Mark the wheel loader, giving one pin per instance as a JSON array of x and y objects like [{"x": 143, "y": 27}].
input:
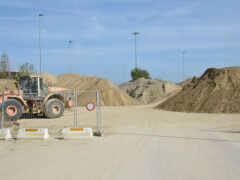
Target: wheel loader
[{"x": 33, "y": 98}]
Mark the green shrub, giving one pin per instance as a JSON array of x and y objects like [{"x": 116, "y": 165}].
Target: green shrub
[{"x": 137, "y": 73}]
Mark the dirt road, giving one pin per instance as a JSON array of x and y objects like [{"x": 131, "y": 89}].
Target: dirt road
[{"x": 139, "y": 143}]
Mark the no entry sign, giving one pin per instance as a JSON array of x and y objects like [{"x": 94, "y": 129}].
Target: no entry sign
[{"x": 90, "y": 106}]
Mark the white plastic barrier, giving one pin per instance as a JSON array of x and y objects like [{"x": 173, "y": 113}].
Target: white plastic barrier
[
  {"x": 5, "y": 133},
  {"x": 36, "y": 133},
  {"x": 75, "y": 133}
]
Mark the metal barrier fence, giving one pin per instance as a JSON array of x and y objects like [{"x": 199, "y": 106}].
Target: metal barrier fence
[
  {"x": 18, "y": 105},
  {"x": 89, "y": 102}
]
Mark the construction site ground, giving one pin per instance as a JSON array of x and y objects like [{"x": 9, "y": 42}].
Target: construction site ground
[{"x": 139, "y": 143}]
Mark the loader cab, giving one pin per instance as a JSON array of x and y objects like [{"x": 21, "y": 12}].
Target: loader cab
[{"x": 32, "y": 87}]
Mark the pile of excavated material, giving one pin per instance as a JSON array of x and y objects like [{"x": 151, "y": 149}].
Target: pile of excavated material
[
  {"x": 149, "y": 90},
  {"x": 186, "y": 81},
  {"x": 50, "y": 78},
  {"x": 110, "y": 94},
  {"x": 216, "y": 91}
]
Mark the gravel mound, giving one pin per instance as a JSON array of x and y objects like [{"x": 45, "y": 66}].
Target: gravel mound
[
  {"x": 186, "y": 81},
  {"x": 51, "y": 78},
  {"x": 216, "y": 91},
  {"x": 149, "y": 90}
]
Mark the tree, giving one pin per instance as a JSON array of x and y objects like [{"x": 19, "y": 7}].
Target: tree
[
  {"x": 4, "y": 62},
  {"x": 5, "y": 66},
  {"x": 137, "y": 73},
  {"x": 26, "y": 68}
]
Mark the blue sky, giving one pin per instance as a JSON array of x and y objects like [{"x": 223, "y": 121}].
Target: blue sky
[{"x": 209, "y": 31}]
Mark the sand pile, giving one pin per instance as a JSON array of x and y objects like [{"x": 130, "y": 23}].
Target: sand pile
[
  {"x": 110, "y": 95},
  {"x": 6, "y": 85},
  {"x": 52, "y": 79},
  {"x": 216, "y": 91},
  {"x": 186, "y": 81},
  {"x": 149, "y": 90}
]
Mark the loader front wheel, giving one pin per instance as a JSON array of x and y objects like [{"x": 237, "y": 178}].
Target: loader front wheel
[
  {"x": 53, "y": 108},
  {"x": 12, "y": 110}
]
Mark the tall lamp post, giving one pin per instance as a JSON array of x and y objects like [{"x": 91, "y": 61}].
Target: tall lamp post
[
  {"x": 183, "y": 53},
  {"x": 40, "y": 43},
  {"x": 135, "y": 35},
  {"x": 70, "y": 65}
]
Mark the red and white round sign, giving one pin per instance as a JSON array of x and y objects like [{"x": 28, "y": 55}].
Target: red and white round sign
[{"x": 90, "y": 106}]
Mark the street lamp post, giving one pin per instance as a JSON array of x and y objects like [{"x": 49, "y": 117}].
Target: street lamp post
[
  {"x": 40, "y": 43},
  {"x": 70, "y": 66},
  {"x": 135, "y": 35},
  {"x": 183, "y": 53}
]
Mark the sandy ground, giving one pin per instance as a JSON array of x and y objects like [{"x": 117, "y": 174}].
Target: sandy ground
[{"x": 139, "y": 143}]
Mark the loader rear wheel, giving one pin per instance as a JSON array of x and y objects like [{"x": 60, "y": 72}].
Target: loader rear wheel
[
  {"x": 54, "y": 108},
  {"x": 12, "y": 110}
]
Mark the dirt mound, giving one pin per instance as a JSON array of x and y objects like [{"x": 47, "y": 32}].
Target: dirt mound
[
  {"x": 52, "y": 79},
  {"x": 110, "y": 95},
  {"x": 149, "y": 90},
  {"x": 79, "y": 82},
  {"x": 216, "y": 91},
  {"x": 186, "y": 81},
  {"x": 6, "y": 85}
]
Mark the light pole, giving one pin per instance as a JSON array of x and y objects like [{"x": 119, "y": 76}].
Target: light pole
[
  {"x": 40, "y": 43},
  {"x": 70, "y": 66},
  {"x": 183, "y": 53},
  {"x": 135, "y": 35}
]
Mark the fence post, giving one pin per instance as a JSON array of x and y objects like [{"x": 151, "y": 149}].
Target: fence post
[
  {"x": 99, "y": 121},
  {"x": 2, "y": 117},
  {"x": 74, "y": 99},
  {"x": 76, "y": 118}
]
